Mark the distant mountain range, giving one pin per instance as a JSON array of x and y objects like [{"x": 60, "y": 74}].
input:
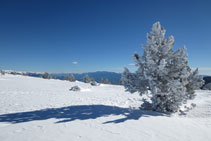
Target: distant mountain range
[{"x": 113, "y": 77}]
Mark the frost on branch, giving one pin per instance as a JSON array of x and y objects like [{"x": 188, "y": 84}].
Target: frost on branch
[{"x": 163, "y": 72}]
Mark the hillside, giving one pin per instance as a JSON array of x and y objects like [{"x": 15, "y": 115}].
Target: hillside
[{"x": 39, "y": 109}]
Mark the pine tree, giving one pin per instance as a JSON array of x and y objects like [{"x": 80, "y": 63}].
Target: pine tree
[
  {"x": 163, "y": 72},
  {"x": 93, "y": 82},
  {"x": 24, "y": 74},
  {"x": 93, "y": 79},
  {"x": 102, "y": 81},
  {"x": 107, "y": 81},
  {"x": 121, "y": 81},
  {"x": 2, "y": 72},
  {"x": 86, "y": 79},
  {"x": 13, "y": 73},
  {"x": 72, "y": 78},
  {"x": 67, "y": 78},
  {"x": 46, "y": 75},
  {"x": 194, "y": 82}
]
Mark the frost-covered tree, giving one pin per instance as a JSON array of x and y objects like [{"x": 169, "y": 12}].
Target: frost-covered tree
[
  {"x": 92, "y": 79},
  {"x": 67, "y": 78},
  {"x": 13, "y": 73},
  {"x": 163, "y": 72},
  {"x": 102, "y": 81},
  {"x": 53, "y": 77},
  {"x": 46, "y": 75},
  {"x": 2, "y": 72},
  {"x": 93, "y": 82},
  {"x": 194, "y": 82},
  {"x": 72, "y": 78},
  {"x": 207, "y": 86},
  {"x": 24, "y": 73},
  {"x": 107, "y": 81},
  {"x": 121, "y": 81},
  {"x": 86, "y": 79}
]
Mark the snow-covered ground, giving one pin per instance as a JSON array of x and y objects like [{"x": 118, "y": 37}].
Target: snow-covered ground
[{"x": 34, "y": 109}]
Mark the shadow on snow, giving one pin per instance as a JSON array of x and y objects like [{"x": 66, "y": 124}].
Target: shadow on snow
[{"x": 79, "y": 112}]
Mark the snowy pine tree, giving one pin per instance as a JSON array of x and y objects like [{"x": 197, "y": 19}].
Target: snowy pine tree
[
  {"x": 72, "y": 78},
  {"x": 107, "y": 82},
  {"x": 163, "y": 72},
  {"x": 93, "y": 82},
  {"x": 86, "y": 79},
  {"x": 102, "y": 81},
  {"x": 92, "y": 79},
  {"x": 46, "y": 75},
  {"x": 67, "y": 78},
  {"x": 121, "y": 81},
  {"x": 2, "y": 72},
  {"x": 194, "y": 82},
  {"x": 53, "y": 77},
  {"x": 129, "y": 81}
]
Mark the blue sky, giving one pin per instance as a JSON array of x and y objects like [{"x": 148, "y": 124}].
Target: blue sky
[{"x": 97, "y": 35}]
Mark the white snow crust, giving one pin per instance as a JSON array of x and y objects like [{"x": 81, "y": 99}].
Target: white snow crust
[{"x": 36, "y": 109}]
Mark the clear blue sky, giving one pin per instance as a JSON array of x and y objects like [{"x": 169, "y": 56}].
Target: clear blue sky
[{"x": 50, "y": 35}]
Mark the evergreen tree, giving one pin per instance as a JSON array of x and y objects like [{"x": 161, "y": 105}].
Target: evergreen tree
[
  {"x": 13, "y": 73},
  {"x": 93, "y": 82},
  {"x": 86, "y": 79},
  {"x": 2, "y": 72},
  {"x": 163, "y": 72},
  {"x": 121, "y": 81},
  {"x": 107, "y": 81},
  {"x": 93, "y": 79},
  {"x": 102, "y": 81},
  {"x": 46, "y": 75},
  {"x": 132, "y": 83},
  {"x": 72, "y": 78},
  {"x": 67, "y": 78},
  {"x": 24, "y": 74}
]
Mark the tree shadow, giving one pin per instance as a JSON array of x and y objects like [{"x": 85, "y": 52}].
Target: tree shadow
[{"x": 79, "y": 112}]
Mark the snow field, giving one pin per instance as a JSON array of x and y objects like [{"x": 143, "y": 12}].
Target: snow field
[{"x": 39, "y": 109}]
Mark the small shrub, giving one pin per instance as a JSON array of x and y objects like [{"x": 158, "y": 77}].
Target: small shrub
[{"x": 75, "y": 88}]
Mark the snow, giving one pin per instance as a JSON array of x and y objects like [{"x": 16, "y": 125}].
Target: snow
[{"x": 45, "y": 110}]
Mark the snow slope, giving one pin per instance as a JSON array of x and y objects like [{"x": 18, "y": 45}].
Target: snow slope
[{"x": 38, "y": 109}]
